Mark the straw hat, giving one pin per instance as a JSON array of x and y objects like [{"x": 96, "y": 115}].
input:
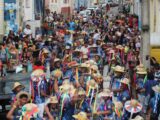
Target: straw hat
[
  {"x": 105, "y": 93},
  {"x": 73, "y": 64},
  {"x": 118, "y": 105},
  {"x": 84, "y": 65},
  {"x": 81, "y": 116},
  {"x": 156, "y": 88},
  {"x": 92, "y": 83},
  {"x": 37, "y": 72},
  {"x": 57, "y": 60},
  {"x": 23, "y": 93},
  {"x": 120, "y": 47},
  {"x": 45, "y": 51},
  {"x": 141, "y": 71},
  {"x": 53, "y": 100},
  {"x": 77, "y": 50},
  {"x": 94, "y": 67},
  {"x": 139, "y": 66},
  {"x": 138, "y": 118},
  {"x": 30, "y": 110},
  {"x": 17, "y": 84},
  {"x": 91, "y": 62},
  {"x": 84, "y": 57},
  {"x": 56, "y": 73},
  {"x": 125, "y": 81},
  {"x": 118, "y": 69},
  {"x": 133, "y": 106}
]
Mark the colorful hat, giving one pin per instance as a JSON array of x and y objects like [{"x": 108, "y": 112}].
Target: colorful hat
[
  {"x": 105, "y": 93},
  {"x": 56, "y": 73},
  {"x": 119, "y": 69},
  {"x": 29, "y": 111},
  {"x": 17, "y": 84},
  {"x": 118, "y": 108},
  {"x": 23, "y": 93},
  {"x": 37, "y": 72},
  {"x": 138, "y": 118},
  {"x": 81, "y": 116},
  {"x": 156, "y": 88},
  {"x": 125, "y": 81},
  {"x": 141, "y": 71},
  {"x": 133, "y": 106},
  {"x": 53, "y": 100}
]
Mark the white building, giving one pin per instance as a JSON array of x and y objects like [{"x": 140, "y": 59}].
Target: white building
[{"x": 65, "y": 7}]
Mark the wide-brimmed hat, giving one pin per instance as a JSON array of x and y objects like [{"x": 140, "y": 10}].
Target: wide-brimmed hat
[
  {"x": 84, "y": 65},
  {"x": 23, "y": 93},
  {"x": 105, "y": 93},
  {"x": 84, "y": 57},
  {"x": 57, "y": 60},
  {"x": 56, "y": 73},
  {"x": 141, "y": 71},
  {"x": 125, "y": 81},
  {"x": 133, "y": 106},
  {"x": 120, "y": 47},
  {"x": 53, "y": 100},
  {"x": 140, "y": 66},
  {"x": 118, "y": 69},
  {"x": 45, "y": 51},
  {"x": 30, "y": 110},
  {"x": 37, "y": 72},
  {"x": 81, "y": 116},
  {"x": 156, "y": 88},
  {"x": 138, "y": 118},
  {"x": 73, "y": 64},
  {"x": 91, "y": 62},
  {"x": 17, "y": 84},
  {"x": 94, "y": 67}
]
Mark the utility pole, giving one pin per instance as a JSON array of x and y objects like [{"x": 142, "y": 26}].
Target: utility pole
[{"x": 145, "y": 44}]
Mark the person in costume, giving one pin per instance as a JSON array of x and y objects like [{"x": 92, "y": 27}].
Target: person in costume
[
  {"x": 38, "y": 89},
  {"x": 116, "y": 82},
  {"x": 17, "y": 87},
  {"x": 68, "y": 97},
  {"x": 52, "y": 109},
  {"x": 16, "y": 111},
  {"x": 104, "y": 107},
  {"x": 155, "y": 103},
  {"x": 125, "y": 93},
  {"x": 140, "y": 89},
  {"x": 82, "y": 104}
]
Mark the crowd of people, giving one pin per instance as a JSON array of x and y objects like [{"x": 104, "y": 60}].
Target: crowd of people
[{"x": 81, "y": 70}]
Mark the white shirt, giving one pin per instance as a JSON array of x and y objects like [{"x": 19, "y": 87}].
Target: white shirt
[{"x": 27, "y": 31}]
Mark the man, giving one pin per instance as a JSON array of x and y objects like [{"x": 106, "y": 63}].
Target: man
[
  {"x": 38, "y": 89},
  {"x": 27, "y": 31},
  {"x": 16, "y": 110}
]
